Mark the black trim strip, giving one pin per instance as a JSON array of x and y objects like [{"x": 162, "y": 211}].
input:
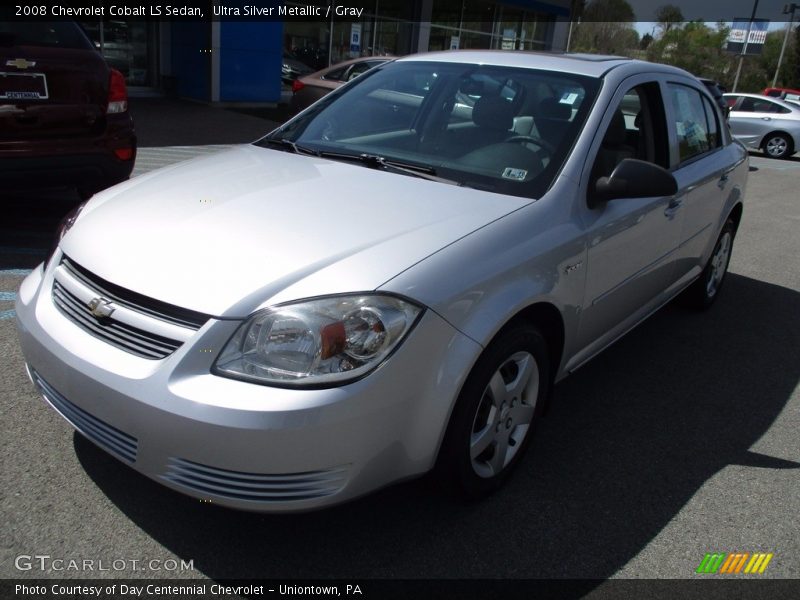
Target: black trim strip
[{"x": 143, "y": 304}]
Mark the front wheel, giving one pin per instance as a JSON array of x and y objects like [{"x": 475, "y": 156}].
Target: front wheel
[{"x": 496, "y": 412}]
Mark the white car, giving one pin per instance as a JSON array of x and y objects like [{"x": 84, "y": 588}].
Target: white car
[
  {"x": 764, "y": 123},
  {"x": 389, "y": 283}
]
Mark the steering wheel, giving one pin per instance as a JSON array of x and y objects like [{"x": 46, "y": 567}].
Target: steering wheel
[{"x": 533, "y": 140}]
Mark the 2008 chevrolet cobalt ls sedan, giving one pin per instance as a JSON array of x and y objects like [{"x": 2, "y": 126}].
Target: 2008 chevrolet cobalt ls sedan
[{"x": 389, "y": 283}]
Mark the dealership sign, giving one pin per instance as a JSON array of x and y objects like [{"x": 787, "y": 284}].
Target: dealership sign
[{"x": 756, "y": 39}]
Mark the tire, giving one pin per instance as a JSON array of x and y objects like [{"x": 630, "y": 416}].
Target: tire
[
  {"x": 496, "y": 413},
  {"x": 703, "y": 292},
  {"x": 778, "y": 145}
]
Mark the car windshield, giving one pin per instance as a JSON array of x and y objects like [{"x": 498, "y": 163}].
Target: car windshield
[{"x": 499, "y": 129}]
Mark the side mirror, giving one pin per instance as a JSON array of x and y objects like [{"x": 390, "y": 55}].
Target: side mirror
[{"x": 633, "y": 178}]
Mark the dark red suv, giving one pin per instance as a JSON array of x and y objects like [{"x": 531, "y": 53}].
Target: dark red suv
[{"x": 64, "y": 117}]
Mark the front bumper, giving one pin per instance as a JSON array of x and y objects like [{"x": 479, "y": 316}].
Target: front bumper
[{"x": 239, "y": 444}]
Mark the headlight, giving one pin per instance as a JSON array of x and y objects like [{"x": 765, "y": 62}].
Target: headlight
[{"x": 317, "y": 342}]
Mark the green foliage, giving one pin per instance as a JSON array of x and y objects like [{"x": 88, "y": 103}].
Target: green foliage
[
  {"x": 758, "y": 71},
  {"x": 606, "y": 28},
  {"x": 796, "y": 55},
  {"x": 608, "y": 11},
  {"x": 669, "y": 16},
  {"x": 695, "y": 47}
]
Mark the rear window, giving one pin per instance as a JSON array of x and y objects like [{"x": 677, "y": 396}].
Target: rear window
[{"x": 59, "y": 34}]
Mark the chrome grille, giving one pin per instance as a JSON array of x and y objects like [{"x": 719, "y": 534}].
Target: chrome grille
[
  {"x": 142, "y": 304},
  {"x": 253, "y": 486},
  {"x": 137, "y": 324},
  {"x": 109, "y": 438},
  {"x": 128, "y": 338}
]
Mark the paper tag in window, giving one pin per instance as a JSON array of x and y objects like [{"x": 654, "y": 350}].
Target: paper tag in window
[{"x": 515, "y": 174}]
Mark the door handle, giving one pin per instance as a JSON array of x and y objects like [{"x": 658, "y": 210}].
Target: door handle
[
  {"x": 766, "y": 118},
  {"x": 673, "y": 207}
]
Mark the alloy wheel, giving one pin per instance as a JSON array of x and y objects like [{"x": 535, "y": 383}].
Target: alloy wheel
[
  {"x": 776, "y": 146},
  {"x": 719, "y": 264},
  {"x": 504, "y": 414}
]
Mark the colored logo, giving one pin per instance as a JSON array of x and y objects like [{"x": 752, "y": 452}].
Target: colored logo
[{"x": 734, "y": 562}]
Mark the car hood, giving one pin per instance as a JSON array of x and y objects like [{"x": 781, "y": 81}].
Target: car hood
[{"x": 230, "y": 233}]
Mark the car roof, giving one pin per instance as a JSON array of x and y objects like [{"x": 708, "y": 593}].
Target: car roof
[{"x": 592, "y": 65}]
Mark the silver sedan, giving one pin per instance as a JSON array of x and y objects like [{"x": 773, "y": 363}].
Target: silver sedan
[
  {"x": 389, "y": 284},
  {"x": 764, "y": 123}
]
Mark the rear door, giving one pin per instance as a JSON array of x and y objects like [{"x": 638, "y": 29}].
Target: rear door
[
  {"x": 701, "y": 165},
  {"x": 53, "y": 84}
]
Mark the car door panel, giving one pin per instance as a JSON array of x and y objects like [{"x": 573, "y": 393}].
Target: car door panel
[
  {"x": 751, "y": 127},
  {"x": 631, "y": 245}
]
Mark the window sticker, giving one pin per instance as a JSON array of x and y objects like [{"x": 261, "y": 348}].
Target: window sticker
[
  {"x": 569, "y": 98},
  {"x": 515, "y": 174}
]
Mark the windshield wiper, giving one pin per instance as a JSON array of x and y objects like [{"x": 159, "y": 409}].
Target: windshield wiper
[
  {"x": 388, "y": 164},
  {"x": 289, "y": 144}
]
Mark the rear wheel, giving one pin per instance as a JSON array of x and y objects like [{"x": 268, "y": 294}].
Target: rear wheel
[
  {"x": 778, "y": 145},
  {"x": 496, "y": 412},
  {"x": 702, "y": 293}
]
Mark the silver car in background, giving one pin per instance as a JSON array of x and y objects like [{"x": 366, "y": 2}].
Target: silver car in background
[
  {"x": 764, "y": 123},
  {"x": 388, "y": 284}
]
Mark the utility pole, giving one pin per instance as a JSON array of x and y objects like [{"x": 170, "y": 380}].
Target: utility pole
[
  {"x": 744, "y": 47},
  {"x": 788, "y": 9}
]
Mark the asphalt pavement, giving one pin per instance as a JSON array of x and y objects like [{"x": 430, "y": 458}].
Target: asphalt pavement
[{"x": 679, "y": 440}]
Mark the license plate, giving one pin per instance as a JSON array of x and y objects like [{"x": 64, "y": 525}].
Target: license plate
[{"x": 23, "y": 86}]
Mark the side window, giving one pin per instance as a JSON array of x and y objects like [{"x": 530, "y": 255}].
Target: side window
[
  {"x": 690, "y": 123},
  {"x": 731, "y": 102},
  {"x": 336, "y": 75},
  {"x": 759, "y": 105},
  {"x": 714, "y": 137},
  {"x": 777, "y": 108},
  {"x": 358, "y": 69},
  {"x": 636, "y": 131}
]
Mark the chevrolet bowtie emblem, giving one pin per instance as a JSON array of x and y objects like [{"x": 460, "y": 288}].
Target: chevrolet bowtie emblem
[
  {"x": 21, "y": 63},
  {"x": 101, "y": 308}
]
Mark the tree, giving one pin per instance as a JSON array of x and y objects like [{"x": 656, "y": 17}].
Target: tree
[
  {"x": 606, "y": 28},
  {"x": 797, "y": 57},
  {"x": 758, "y": 71},
  {"x": 695, "y": 47},
  {"x": 646, "y": 40},
  {"x": 668, "y": 16}
]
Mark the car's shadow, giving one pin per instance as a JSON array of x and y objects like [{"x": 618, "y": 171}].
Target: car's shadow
[{"x": 629, "y": 440}]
